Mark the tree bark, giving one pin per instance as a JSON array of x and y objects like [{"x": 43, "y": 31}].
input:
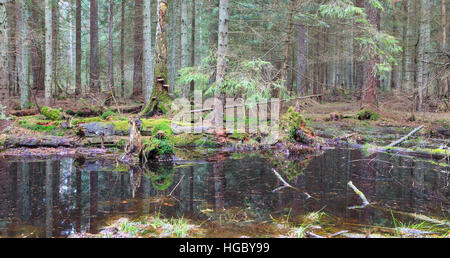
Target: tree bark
[
  {"x": 423, "y": 56},
  {"x": 111, "y": 48},
  {"x": 369, "y": 93},
  {"x": 122, "y": 51},
  {"x": 184, "y": 42},
  {"x": 78, "y": 48},
  {"x": 36, "y": 25},
  {"x": 11, "y": 20},
  {"x": 94, "y": 83},
  {"x": 23, "y": 79},
  {"x": 48, "y": 52},
  {"x": 159, "y": 102},
  {"x": 148, "y": 53},
  {"x": 70, "y": 50},
  {"x": 138, "y": 42},
  {"x": 192, "y": 85}
]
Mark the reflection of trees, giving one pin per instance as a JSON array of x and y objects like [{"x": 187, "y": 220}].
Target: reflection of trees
[{"x": 161, "y": 175}]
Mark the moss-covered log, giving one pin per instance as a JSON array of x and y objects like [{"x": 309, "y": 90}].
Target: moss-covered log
[{"x": 159, "y": 102}]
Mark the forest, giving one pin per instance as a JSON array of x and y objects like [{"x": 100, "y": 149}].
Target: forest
[{"x": 219, "y": 118}]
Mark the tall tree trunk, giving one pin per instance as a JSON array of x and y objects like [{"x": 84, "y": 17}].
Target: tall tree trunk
[
  {"x": 23, "y": 78},
  {"x": 55, "y": 45},
  {"x": 222, "y": 52},
  {"x": 370, "y": 89},
  {"x": 70, "y": 50},
  {"x": 148, "y": 53},
  {"x": 287, "y": 44},
  {"x": 444, "y": 82},
  {"x": 138, "y": 38},
  {"x": 359, "y": 64},
  {"x": 94, "y": 69},
  {"x": 404, "y": 45},
  {"x": 11, "y": 20},
  {"x": 424, "y": 43},
  {"x": 111, "y": 48},
  {"x": 394, "y": 72},
  {"x": 302, "y": 60},
  {"x": 159, "y": 102},
  {"x": 19, "y": 44},
  {"x": 184, "y": 42},
  {"x": 174, "y": 45},
  {"x": 36, "y": 25},
  {"x": 78, "y": 48},
  {"x": 122, "y": 51},
  {"x": 193, "y": 42},
  {"x": 48, "y": 52}
]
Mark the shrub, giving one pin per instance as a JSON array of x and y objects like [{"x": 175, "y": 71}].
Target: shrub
[{"x": 367, "y": 114}]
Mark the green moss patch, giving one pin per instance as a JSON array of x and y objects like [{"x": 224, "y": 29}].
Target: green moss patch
[
  {"x": 367, "y": 114},
  {"x": 51, "y": 114}
]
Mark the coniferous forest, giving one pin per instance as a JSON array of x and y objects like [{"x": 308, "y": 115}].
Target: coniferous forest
[{"x": 219, "y": 118}]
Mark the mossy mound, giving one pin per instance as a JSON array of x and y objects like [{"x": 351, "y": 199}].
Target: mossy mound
[
  {"x": 51, "y": 114},
  {"x": 294, "y": 126},
  {"x": 367, "y": 114}
]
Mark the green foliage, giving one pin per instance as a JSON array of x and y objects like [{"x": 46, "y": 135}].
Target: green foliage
[
  {"x": 51, "y": 114},
  {"x": 107, "y": 114},
  {"x": 367, "y": 114},
  {"x": 153, "y": 147}
]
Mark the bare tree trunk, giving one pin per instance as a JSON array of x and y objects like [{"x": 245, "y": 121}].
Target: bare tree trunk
[
  {"x": 444, "y": 82},
  {"x": 48, "y": 52},
  {"x": 19, "y": 40},
  {"x": 70, "y": 50},
  {"x": 423, "y": 56},
  {"x": 36, "y": 25},
  {"x": 111, "y": 48},
  {"x": 159, "y": 102},
  {"x": 94, "y": 83},
  {"x": 138, "y": 38},
  {"x": 394, "y": 72},
  {"x": 302, "y": 60},
  {"x": 55, "y": 44},
  {"x": 122, "y": 51},
  {"x": 184, "y": 42},
  {"x": 193, "y": 42},
  {"x": 370, "y": 97},
  {"x": 11, "y": 19},
  {"x": 78, "y": 56},
  {"x": 174, "y": 45},
  {"x": 148, "y": 53},
  {"x": 23, "y": 79},
  {"x": 287, "y": 44}
]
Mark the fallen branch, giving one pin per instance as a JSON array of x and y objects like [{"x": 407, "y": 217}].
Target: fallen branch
[
  {"x": 313, "y": 235},
  {"x": 360, "y": 194},
  {"x": 286, "y": 184},
  {"x": 405, "y": 137}
]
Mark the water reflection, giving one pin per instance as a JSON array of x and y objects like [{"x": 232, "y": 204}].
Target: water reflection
[{"x": 60, "y": 197}]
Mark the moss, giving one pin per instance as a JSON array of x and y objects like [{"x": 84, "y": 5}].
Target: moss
[
  {"x": 239, "y": 136},
  {"x": 367, "y": 114},
  {"x": 107, "y": 114},
  {"x": 87, "y": 120},
  {"x": 121, "y": 125},
  {"x": 51, "y": 114},
  {"x": 184, "y": 140}
]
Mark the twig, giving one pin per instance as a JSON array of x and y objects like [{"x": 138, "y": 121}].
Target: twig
[
  {"x": 405, "y": 137},
  {"x": 176, "y": 186},
  {"x": 360, "y": 194},
  {"x": 286, "y": 185},
  {"x": 313, "y": 235}
]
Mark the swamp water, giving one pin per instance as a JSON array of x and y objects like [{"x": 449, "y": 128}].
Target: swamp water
[{"x": 230, "y": 195}]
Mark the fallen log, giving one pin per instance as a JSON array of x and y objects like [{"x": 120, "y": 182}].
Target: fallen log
[
  {"x": 37, "y": 142},
  {"x": 24, "y": 112},
  {"x": 405, "y": 137}
]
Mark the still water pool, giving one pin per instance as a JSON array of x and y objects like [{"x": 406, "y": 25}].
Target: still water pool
[{"x": 60, "y": 197}]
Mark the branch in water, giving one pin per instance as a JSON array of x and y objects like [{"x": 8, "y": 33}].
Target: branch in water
[
  {"x": 286, "y": 184},
  {"x": 360, "y": 194}
]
